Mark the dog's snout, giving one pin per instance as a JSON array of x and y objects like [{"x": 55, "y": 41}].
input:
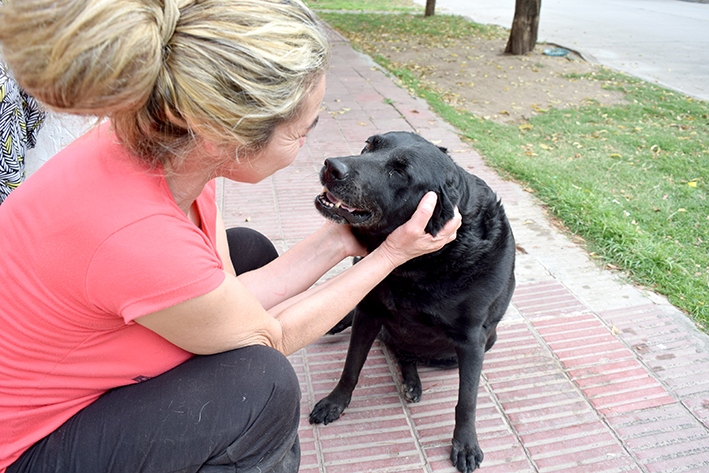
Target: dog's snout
[{"x": 336, "y": 169}]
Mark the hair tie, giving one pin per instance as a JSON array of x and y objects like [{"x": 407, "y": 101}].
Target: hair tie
[{"x": 171, "y": 14}]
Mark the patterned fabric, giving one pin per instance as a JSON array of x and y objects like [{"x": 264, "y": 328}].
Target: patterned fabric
[{"x": 21, "y": 117}]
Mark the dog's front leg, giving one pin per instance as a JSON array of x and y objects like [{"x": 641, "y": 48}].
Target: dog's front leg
[
  {"x": 364, "y": 330},
  {"x": 466, "y": 454}
]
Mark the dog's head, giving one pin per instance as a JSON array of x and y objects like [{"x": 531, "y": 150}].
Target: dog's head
[{"x": 378, "y": 190}]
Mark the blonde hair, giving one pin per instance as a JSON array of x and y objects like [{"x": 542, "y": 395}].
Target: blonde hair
[{"x": 229, "y": 71}]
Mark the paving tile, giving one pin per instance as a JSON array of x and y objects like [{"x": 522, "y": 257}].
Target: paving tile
[
  {"x": 665, "y": 438},
  {"x": 545, "y": 299}
]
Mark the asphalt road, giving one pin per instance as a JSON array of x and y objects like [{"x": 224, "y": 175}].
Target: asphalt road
[{"x": 661, "y": 41}]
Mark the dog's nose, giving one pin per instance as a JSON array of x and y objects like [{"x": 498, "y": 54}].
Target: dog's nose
[{"x": 336, "y": 169}]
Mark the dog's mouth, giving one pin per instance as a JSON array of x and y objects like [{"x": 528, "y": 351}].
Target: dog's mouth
[{"x": 335, "y": 209}]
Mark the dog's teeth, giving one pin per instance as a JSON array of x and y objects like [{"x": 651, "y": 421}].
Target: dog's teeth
[{"x": 338, "y": 205}]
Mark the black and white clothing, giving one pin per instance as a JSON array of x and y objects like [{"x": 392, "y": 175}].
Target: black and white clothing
[{"x": 21, "y": 117}]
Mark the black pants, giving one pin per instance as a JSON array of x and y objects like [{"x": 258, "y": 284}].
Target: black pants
[{"x": 236, "y": 411}]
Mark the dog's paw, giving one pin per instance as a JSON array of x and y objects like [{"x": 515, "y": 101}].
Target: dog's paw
[
  {"x": 326, "y": 411},
  {"x": 412, "y": 391},
  {"x": 466, "y": 457}
]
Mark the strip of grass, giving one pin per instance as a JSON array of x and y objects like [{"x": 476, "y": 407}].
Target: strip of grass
[
  {"x": 365, "y": 5},
  {"x": 630, "y": 179}
]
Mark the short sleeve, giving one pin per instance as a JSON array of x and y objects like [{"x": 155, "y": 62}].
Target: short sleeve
[{"x": 150, "y": 265}]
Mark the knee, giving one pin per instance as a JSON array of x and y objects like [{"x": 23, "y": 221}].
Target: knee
[
  {"x": 249, "y": 249},
  {"x": 272, "y": 379},
  {"x": 280, "y": 371}
]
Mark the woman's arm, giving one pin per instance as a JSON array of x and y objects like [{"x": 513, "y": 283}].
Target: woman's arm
[
  {"x": 302, "y": 265},
  {"x": 231, "y": 316},
  {"x": 299, "y": 267}
]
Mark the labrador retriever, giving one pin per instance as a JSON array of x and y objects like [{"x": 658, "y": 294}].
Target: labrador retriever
[{"x": 438, "y": 309}]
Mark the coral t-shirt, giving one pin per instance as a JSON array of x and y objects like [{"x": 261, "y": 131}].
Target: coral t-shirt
[{"x": 90, "y": 242}]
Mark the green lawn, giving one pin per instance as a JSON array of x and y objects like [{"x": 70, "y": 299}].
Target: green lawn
[
  {"x": 365, "y": 5},
  {"x": 630, "y": 180}
]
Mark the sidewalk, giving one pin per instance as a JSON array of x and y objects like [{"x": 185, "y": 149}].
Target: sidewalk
[{"x": 589, "y": 374}]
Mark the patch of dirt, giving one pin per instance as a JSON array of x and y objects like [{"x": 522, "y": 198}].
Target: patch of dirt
[{"x": 476, "y": 75}]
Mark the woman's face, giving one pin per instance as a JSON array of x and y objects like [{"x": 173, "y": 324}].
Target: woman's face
[{"x": 283, "y": 148}]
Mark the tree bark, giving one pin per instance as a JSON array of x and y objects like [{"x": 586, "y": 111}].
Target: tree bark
[
  {"x": 523, "y": 36},
  {"x": 430, "y": 8}
]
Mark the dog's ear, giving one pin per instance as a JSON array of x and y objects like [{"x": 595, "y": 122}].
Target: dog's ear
[
  {"x": 372, "y": 142},
  {"x": 444, "y": 211}
]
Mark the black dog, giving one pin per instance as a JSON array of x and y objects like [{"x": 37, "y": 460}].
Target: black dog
[{"x": 439, "y": 308}]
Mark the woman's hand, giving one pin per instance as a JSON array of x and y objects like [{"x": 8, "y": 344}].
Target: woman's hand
[
  {"x": 343, "y": 234},
  {"x": 411, "y": 240}
]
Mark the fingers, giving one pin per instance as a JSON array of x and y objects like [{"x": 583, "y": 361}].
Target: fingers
[
  {"x": 423, "y": 214},
  {"x": 425, "y": 209},
  {"x": 411, "y": 239},
  {"x": 448, "y": 232}
]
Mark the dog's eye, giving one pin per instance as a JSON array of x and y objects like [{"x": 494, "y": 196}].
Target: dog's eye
[{"x": 395, "y": 172}]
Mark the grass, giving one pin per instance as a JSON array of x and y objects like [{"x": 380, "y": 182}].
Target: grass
[
  {"x": 630, "y": 180},
  {"x": 365, "y": 5}
]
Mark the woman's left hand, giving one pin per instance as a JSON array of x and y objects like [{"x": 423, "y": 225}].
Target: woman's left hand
[{"x": 343, "y": 233}]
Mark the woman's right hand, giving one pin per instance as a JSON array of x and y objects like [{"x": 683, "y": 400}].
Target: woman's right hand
[{"x": 411, "y": 240}]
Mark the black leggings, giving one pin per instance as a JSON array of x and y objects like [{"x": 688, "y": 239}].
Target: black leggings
[{"x": 236, "y": 411}]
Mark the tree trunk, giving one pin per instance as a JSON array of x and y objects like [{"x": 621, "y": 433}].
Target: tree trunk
[
  {"x": 430, "y": 8},
  {"x": 523, "y": 36}
]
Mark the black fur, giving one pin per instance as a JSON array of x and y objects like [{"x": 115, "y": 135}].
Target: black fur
[{"x": 439, "y": 308}]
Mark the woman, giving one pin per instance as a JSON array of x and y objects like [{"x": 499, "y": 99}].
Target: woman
[{"x": 121, "y": 270}]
